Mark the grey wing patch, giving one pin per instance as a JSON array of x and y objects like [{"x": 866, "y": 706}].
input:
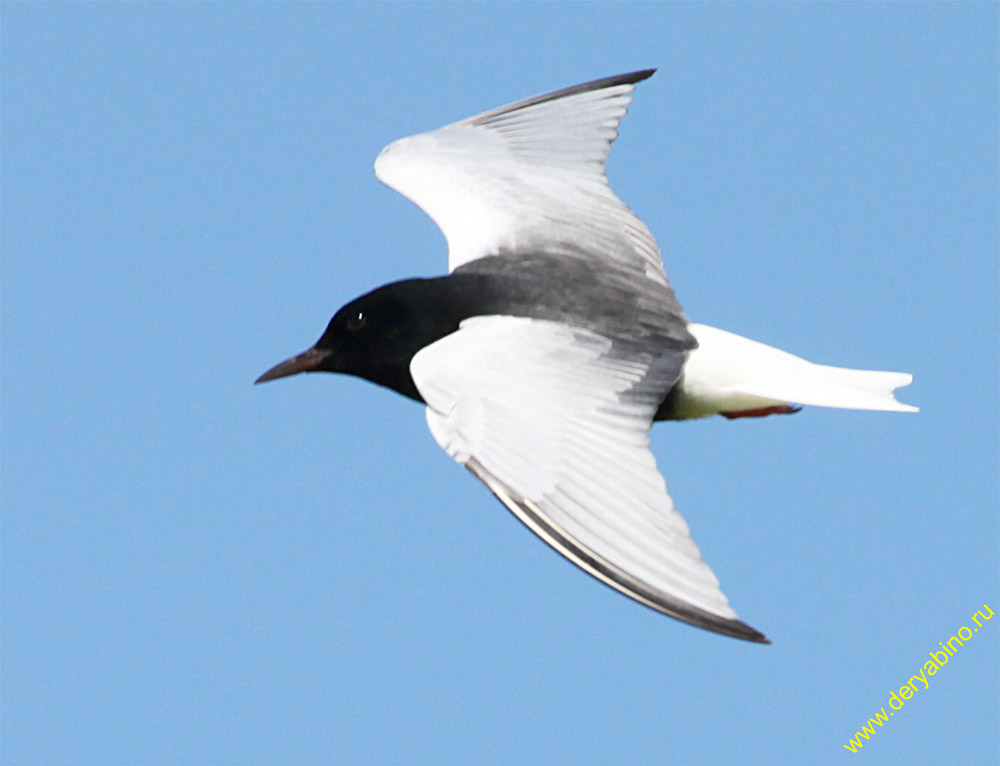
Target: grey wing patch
[{"x": 611, "y": 300}]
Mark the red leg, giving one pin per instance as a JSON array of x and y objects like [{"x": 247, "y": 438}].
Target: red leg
[{"x": 780, "y": 409}]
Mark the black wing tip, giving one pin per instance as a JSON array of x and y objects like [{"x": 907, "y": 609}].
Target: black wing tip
[
  {"x": 700, "y": 618},
  {"x": 633, "y": 77},
  {"x": 628, "y": 78},
  {"x": 737, "y": 629}
]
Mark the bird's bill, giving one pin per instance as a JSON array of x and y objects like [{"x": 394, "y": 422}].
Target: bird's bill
[{"x": 307, "y": 361}]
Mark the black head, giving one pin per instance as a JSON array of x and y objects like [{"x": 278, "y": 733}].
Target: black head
[{"x": 375, "y": 336}]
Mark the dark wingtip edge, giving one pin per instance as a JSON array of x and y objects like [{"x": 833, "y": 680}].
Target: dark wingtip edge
[
  {"x": 629, "y": 78},
  {"x": 639, "y": 75},
  {"x": 699, "y": 618},
  {"x": 737, "y": 629},
  {"x": 532, "y": 517}
]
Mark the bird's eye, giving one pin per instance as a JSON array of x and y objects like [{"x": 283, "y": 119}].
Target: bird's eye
[{"x": 357, "y": 320}]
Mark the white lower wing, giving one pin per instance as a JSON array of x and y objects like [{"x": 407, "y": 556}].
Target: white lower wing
[{"x": 555, "y": 421}]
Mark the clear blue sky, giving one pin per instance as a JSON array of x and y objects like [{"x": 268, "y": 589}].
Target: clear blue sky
[{"x": 198, "y": 571}]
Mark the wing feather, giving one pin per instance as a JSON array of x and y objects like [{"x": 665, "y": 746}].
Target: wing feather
[
  {"x": 528, "y": 177},
  {"x": 555, "y": 421}
]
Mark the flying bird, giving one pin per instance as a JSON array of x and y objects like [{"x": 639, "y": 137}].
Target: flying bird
[{"x": 555, "y": 341}]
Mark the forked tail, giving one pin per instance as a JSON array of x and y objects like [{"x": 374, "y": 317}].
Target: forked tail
[{"x": 728, "y": 373}]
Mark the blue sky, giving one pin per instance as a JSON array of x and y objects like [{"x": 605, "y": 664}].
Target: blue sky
[{"x": 198, "y": 571}]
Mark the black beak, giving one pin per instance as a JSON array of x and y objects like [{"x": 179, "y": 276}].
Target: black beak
[{"x": 307, "y": 361}]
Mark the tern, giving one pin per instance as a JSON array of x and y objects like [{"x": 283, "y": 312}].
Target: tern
[{"x": 555, "y": 341}]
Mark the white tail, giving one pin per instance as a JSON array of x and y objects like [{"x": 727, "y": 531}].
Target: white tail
[{"x": 729, "y": 373}]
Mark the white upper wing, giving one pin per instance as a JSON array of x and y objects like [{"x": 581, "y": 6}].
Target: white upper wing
[
  {"x": 555, "y": 421},
  {"x": 527, "y": 177}
]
